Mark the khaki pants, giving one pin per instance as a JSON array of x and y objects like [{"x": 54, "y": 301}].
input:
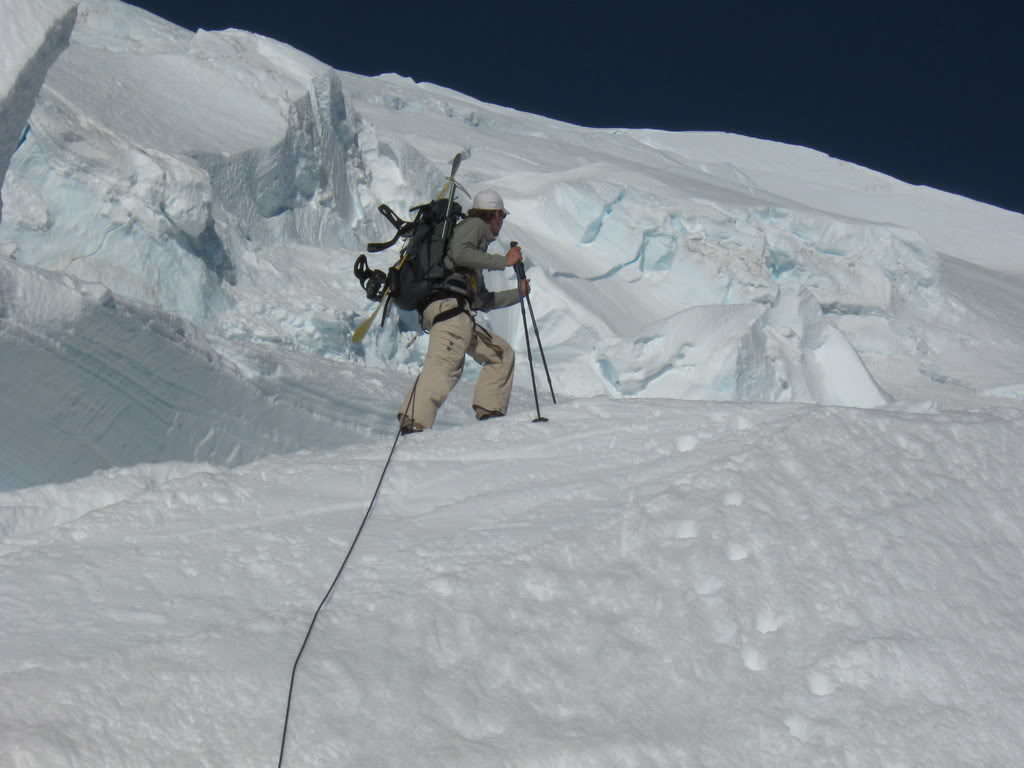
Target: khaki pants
[{"x": 450, "y": 341}]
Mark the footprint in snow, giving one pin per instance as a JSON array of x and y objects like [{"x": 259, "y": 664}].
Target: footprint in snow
[
  {"x": 767, "y": 621},
  {"x": 683, "y": 529},
  {"x": 441, "y": 586},
  {"x": 736, "y": 552},
  {"x": 819, "y": 684},
  {"x": 708, "y": 585},
  {"x": 754, "y": 660},
  {"x": 686, "y": 443}
]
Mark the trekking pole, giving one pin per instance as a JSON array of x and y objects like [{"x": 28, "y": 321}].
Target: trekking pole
[{"x": 521, "y": 274}]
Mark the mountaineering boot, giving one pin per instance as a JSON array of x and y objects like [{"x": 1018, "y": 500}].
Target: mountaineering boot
[
  {"x": 482, "y": 414},
  {"x": 409, "y": 427}
]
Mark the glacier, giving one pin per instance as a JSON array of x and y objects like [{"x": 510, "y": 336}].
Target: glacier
[
  {"x": 774, "y": 519},
  {"x": 32, "y": 42},
  {"x": 229, "y": 180}
]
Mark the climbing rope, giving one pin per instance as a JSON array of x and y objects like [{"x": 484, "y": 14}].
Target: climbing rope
[{"x": 337, "y": 577}]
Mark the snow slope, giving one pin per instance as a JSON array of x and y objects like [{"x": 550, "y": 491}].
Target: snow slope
[
  {"x": 637, "y": 582},
  {"x": 774, "y": 520},
  {"x": 230, "y": 181},
  {"x": 128, "y": 383}
]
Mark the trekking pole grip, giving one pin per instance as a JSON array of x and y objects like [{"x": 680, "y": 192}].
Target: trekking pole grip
[{"x": 520, "y": 268}]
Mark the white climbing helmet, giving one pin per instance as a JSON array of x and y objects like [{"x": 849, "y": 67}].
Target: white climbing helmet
[{"x": 488, "y": 200}]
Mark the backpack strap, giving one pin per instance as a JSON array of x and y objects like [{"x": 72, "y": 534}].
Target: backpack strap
[{"x": 403, "y": 229}]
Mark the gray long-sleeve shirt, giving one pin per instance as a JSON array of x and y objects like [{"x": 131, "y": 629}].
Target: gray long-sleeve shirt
[{"x": 468, "y": 254}]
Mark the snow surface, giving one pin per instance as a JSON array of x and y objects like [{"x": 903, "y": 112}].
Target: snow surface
[
  {"x": 34, "y": 35},
  {"x": 230, "y": 181},
  {"x": 774, "y": 520},
  {"x": 634, "y": 583}
]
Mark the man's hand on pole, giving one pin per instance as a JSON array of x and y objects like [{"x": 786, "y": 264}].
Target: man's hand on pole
[{"x": 514, "y": 255}]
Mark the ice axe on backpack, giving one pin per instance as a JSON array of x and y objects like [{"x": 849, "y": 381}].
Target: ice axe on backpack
[{"x": 521, "y": 275}]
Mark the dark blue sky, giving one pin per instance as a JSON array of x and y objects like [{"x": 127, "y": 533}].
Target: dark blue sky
[{"x": 927, "y": 92}]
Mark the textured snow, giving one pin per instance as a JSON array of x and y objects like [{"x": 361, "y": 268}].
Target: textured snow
[
  {"x": 225, "y": 178},
  {"x": 774, "y": 520},
  {"x": 33, "y": 37},
  {"x": 649, "y": 582}
]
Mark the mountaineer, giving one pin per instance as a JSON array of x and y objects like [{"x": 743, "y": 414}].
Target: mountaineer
[{"x": 448, "y": 315}]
